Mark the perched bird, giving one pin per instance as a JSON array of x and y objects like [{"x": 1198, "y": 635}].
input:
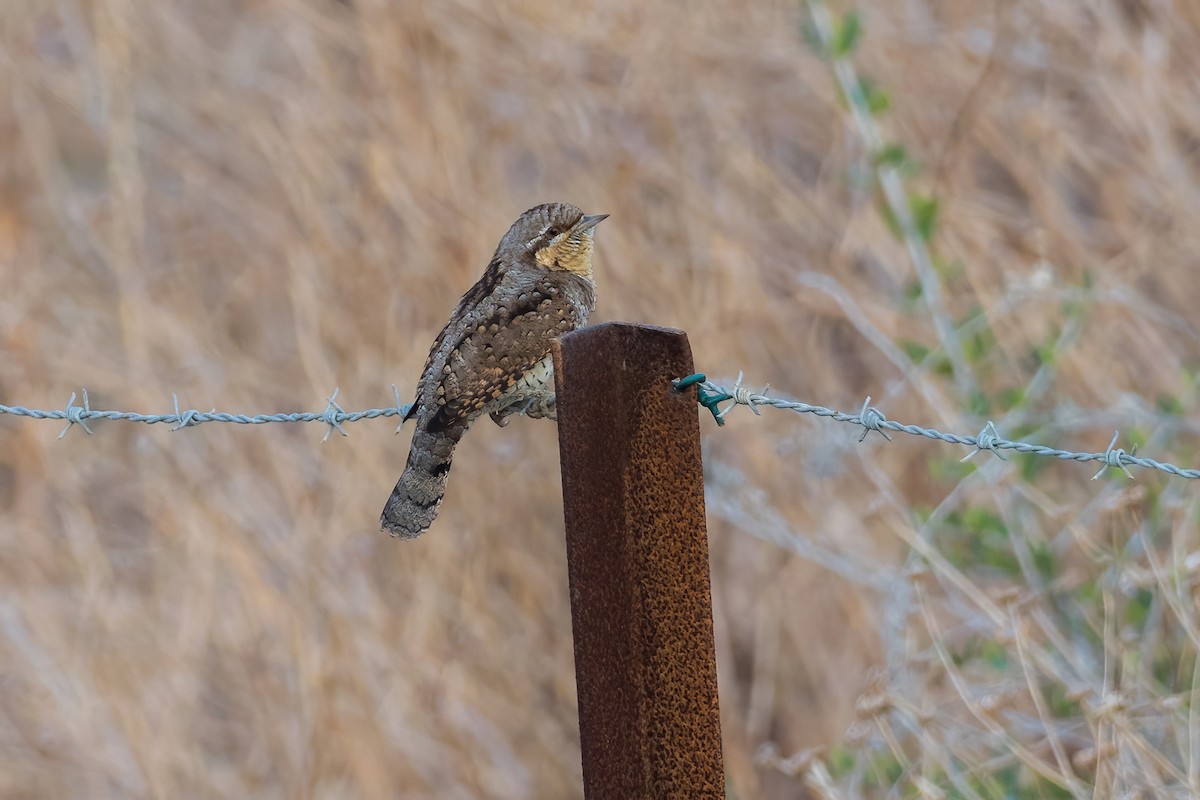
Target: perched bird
[{"x": 493, "y": 356}]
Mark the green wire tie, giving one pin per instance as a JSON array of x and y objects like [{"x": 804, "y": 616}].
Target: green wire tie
[
  {"x": 709, "y": 400},
  {"x": 690, "y": 380}
]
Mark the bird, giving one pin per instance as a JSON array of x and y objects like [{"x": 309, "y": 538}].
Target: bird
[{"x": 493, "y": 356}]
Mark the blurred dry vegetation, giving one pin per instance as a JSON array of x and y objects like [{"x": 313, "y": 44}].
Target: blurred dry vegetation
[{"x": 249, "y": 202}]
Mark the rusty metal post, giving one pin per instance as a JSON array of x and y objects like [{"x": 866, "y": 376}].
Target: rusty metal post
[{"x": 637, "y": 560}]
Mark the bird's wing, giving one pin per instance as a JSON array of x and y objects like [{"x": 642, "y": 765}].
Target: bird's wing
[
  {"x": 497, "y": 348},
  {"x": 467, "y": 304}
]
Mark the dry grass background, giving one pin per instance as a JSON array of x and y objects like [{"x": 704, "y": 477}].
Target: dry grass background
[{"x": 251, "y": 202}]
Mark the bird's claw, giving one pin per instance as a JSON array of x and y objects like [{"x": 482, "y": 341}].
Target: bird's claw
[
  {"x": 542, "y": 407},
  {"x": 535, "y": 408}
]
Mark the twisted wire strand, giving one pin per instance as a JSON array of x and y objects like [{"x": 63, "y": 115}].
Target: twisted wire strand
[
  {"x": 711, "y": 395},
  {"x": 333, "y": 416}
]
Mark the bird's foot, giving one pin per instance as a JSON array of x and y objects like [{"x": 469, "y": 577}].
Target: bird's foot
[{"x": 542, "y": 407}]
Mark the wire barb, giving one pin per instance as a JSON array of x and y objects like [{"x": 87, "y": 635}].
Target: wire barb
[
  {"x": 333, "y": 416},
  {"x": 742, "y": 396},
  {"x": 986, "y": 439},
  {"x": 1114, "y": 458},
  {"x": 188, "y": 418},
  {"x": 872, "y": 419},
  {"x": 75, "y": 415}
]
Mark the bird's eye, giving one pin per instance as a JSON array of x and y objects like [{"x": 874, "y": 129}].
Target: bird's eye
[{"x": 552, "y": 232}]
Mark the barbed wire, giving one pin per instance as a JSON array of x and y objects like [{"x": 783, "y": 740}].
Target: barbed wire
[
  {"x": 711, "y": 395},
  {"x": 334, "y": 415}
]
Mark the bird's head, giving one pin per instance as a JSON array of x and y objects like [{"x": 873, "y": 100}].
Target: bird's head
[{"x": 555, "y": 236}]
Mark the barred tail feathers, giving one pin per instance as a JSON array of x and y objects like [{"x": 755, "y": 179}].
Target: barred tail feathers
[{"x": 418, "y": 494}]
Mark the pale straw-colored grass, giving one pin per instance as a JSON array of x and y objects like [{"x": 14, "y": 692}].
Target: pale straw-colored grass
[{"x": 250, "y": 203}]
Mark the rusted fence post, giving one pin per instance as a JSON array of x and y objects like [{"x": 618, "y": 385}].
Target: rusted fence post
[{"x": 637, "y": 560}]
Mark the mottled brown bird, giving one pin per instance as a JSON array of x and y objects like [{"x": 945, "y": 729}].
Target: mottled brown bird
[{"x": 493, "y": 356}]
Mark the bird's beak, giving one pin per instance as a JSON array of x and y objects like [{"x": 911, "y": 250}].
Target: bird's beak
[{"x": 587, "y": 223}]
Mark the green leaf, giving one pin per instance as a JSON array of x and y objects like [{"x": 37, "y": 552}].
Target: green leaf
[
  {"x": 840, "y": 761},
  {"x": 923, "y": 210},
  {"x": 976, "y": 313},
  {"x": 979, "y": 404},
  {"x": 1013, "y": 397},
  {"x": 983, "y": 520},
  {"x": 942, "y": 366},
  {"x": 975, "y": 537},
  {"x": 919, "y": 354},
  {"x": 1061, "y": 706},
  {"x": 1047, "y": 352},
  {"x": 913, "y": 291},
  {"x": 846, "y": 34},
  {"x": 1169, "y": 404},
  {"x": 1173, "y": 670},
  {"x": 869, "y": 97},
  {"x": 885, "y": 211},
  {"x": 949, "y": 269},
  {"x": 977, "y": 346},
  {"x": 1137, "y": 610},
  {"x": 1089, "y": 592},
  {"x": 1136, "y": 438},
  {"x": 878, "y": 101},
  {"x": 1044, "y": 559},
  {"x": 914, "y": 350},
  {"x": 883, "y": 770},
  {"x": 891, "y": 155},
  {"x": 1031, "y": 466},
  {"x": 924, "y": 213},
  {"x": 994, "y": 654}
]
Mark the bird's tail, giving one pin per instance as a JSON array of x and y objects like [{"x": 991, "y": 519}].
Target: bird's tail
[{"x": 418, "y": 494}]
